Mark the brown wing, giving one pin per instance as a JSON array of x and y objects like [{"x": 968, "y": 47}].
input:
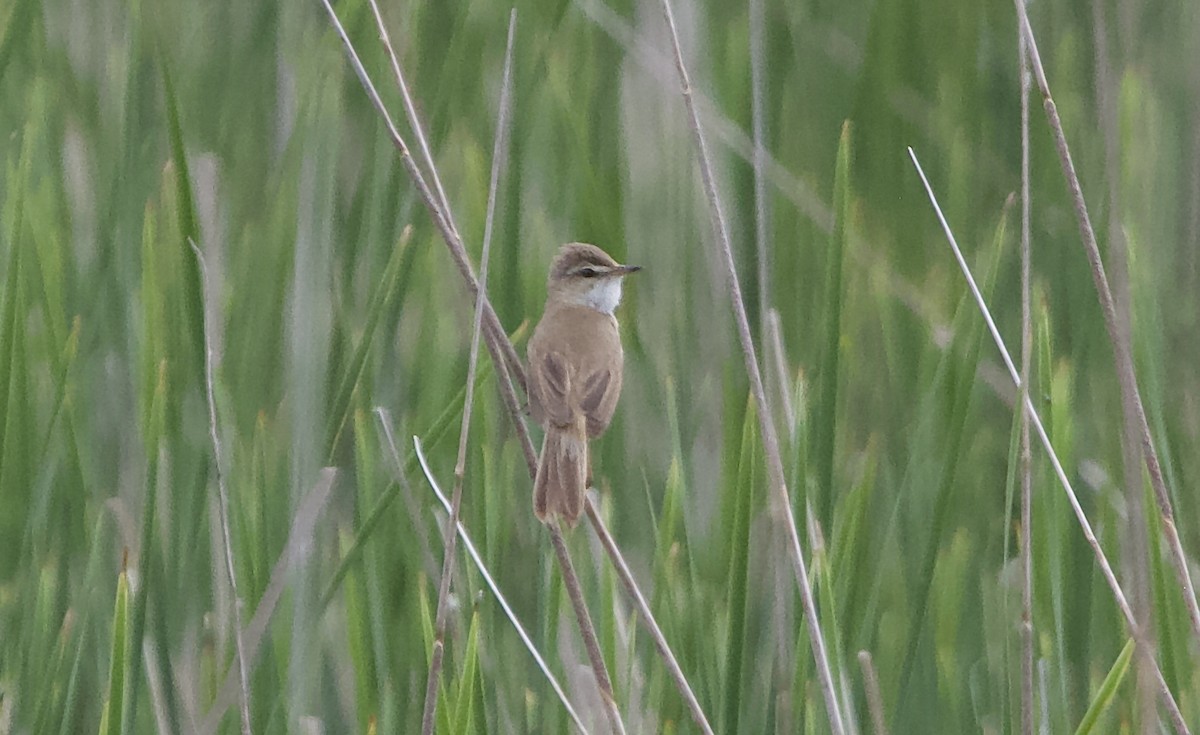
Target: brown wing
[
  {"x": 601, "y": 390},
  {"x": 549, "y": 388}
]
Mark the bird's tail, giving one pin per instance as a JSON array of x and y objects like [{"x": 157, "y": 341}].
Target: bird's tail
[{"x": 562, "y": 474}]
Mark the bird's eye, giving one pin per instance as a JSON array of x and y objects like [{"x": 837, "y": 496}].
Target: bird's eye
[{"x": 588, "y": 272}]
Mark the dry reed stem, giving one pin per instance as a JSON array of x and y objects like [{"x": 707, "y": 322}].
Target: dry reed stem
[
  {"x": 1026, "y": 537},
  {"x": 783, "y": 504},
  {"x": 498, "y": 346},
  {"x": 385, "y": 423},
  {"x": 298, "y": 546},
  {"x": 460, "y": 466},
  {"x": 1105, "y": 568},
  {"x": 660, "y": 640},
  {"x": 497, "y": 335},
  {"x": 223, "y": 499},
  {"x": 1131, "y": 399},
  {"x": 874, "y": 698}
]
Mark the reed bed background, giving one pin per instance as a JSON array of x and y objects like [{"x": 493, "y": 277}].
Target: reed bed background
[{"x": 130, "y": 130}]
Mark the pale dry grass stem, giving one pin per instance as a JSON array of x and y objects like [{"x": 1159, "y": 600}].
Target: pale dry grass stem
[
  {"x": 500, "y": 349},
  {"x": 295, "y": 553},
  {"x": 874, "y": 698},
  {"x": 508, "y": 369},
  {"x": 460, "y": 466},
  {"x": 223, "y": 498},
  {"x": 781, "y": 499},
  {"x": 385, "y": 423},
  {"x": 1026, "y": 536},
  {"x": 1131, "y": 399},
  {"x": 492, "y": 322},
  {"x": 1106, "y": 570},
  {"x": 643, "y": 608}
]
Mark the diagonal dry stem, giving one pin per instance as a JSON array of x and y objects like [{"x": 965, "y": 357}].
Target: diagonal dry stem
[
  {"x": 496, "y": 334},
  {"x": 1101, "y": 559},
  {"x": 295, "y": 553},
  {"x": 385, "y": 422},
  {"x": 783, "y": 504},
  {"x": 496, "y": 341},
  {"x": 507, "y": 369},
  {"x": 460, "y": 466},
  {"x": 223, "y": 503},
  {"x": 1131, "y": 399}
]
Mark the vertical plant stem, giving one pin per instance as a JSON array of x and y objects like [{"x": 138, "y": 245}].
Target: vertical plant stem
[
  {"x": 874, "y": 698},
  {"x": 223, "y": 498},
  {"x": 1135, "y": 549},
  {"x": 497, "y": 341},
  {"x": 460, "y": 466},
  {"x": 1131, "y": 399},
  {"x": 1026, "y": 538},
  {"x": 590, "y": 642},
  {"x": 496, "y": 332},
  {"x": 758, "y": 126},
  {"x": 385, "y": 422},
  {"x": 783, "y": 504},
  {"x": 1106, "y": 570}
]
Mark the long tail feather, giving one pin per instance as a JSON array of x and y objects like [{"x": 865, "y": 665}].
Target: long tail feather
[{"x": 562, "y": 475}]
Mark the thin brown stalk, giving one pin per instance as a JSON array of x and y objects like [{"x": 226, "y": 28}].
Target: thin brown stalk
[
  {"x": 1131, "y": 399},
  {"x": 460, "y": 466},
  {"x": 1106, "y": 570},
  {"x": 660, "y": 640},
  {"x": 294, "y": 554},
  {"x": 783, "y": 504},
  {"x": 1135, "y": 550},
  {"x": 492, "y": 323},
  {"x": 1026, "y": 537},
  {"x": 874, "y": 699},
  {"x": 385, "y": 422},
  {"x": 223, "y": 501},
  {"x": 591, "y": 643},
  {"x": 498, "y": 347}
]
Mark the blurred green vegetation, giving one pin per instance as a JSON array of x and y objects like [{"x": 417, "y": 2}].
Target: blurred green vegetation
[{"x": 127, "y": 127}]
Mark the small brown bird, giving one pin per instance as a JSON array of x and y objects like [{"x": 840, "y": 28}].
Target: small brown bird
[{"x": 575, "y": 367}]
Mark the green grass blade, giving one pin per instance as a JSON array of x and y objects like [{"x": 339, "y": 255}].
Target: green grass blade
[
  {"x": 110, "y": 723},
  {"x": 154, "y": 434},
  {"x": 1107, "y": 691},
  {"x": 189, "y": 227},
  {"x": 748, "y": 476},
  {"x": 467, "y": 683},
  {"x": 381, "y": 302},
  {"x": 433, "y": 436},
  {"x": 824, "y": 423},
  {"x": 959, "y": 377}
]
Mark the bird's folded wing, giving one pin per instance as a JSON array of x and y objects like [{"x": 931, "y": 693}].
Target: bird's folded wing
[
  {"x": 601, "y": 390},
  {"x": 550, "y": 389}
]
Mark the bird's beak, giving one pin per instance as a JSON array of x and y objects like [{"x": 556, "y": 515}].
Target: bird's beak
[{"x": 624, "y": 270}]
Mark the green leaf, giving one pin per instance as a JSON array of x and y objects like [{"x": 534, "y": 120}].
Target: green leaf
[
  {"x": 189, "y": 227},
  {"x": 748, "y": 477},
  {"x": 381, "y": 302},
  {"x": 1108, "y": 690},
  {"x": 110, "y": 723},
  {"x": 824, "y": 422},
  {"x": 467, "y": 683}
]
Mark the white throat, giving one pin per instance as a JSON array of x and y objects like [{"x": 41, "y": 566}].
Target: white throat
[{"x": 604, "y": 296}]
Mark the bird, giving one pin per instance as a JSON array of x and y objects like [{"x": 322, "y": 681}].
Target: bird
[{"x": 575, "y": 370}]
